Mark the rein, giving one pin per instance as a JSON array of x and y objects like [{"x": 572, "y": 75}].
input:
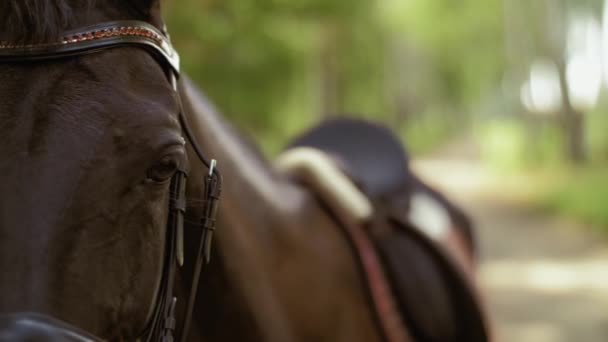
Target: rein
[{"x": 115, "y": 34}]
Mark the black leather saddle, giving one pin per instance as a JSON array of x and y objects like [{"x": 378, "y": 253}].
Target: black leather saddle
[
  {"x": 371, "y": 155},
  {"x": 436, "y": 300},
  {"x": 374, "y": 158}
]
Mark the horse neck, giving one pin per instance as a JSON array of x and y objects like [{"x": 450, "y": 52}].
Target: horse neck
[
  {"x": 283, "y": 258},
  {"x": 253, "y": 190},
  {"x": 255, "y": 203}
]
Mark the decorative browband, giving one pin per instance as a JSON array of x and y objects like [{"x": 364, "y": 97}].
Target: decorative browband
[
  {"x": 105, "y": 35},
  {"x": 123, "y": 31}
]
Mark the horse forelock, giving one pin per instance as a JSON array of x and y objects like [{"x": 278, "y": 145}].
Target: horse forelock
[
  {"x": 34, "y": 20},
  {"x": 37, "y": 21}
]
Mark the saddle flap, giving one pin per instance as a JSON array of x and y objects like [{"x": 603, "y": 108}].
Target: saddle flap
[
  {"x": 435, "y": 292},
  {"x": 407, "y": 238}
]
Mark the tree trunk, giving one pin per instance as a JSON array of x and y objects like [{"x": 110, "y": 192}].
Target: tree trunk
[
  {"x": 575, "y": 137},
  {"x": 573, "y": 122}
]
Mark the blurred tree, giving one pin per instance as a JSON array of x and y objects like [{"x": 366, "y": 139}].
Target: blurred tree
[
  {"x": 271, "y": 64},
  {"x": 248, "y": 54},
  {"x": 539, "y": 30}
]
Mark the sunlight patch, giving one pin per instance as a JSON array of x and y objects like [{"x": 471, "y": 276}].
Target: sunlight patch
[{"x": 547, "y": 276}]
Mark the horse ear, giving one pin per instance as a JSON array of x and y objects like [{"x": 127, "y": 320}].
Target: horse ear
[
  {"x": 147, "y": 6},
  {"x": 151, "y": 9}
]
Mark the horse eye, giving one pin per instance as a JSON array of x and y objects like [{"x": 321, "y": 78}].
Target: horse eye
[{"x": 163, "y": 170}]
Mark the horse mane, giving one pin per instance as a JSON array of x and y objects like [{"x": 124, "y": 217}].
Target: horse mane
[{"x": 38, "y": 21}]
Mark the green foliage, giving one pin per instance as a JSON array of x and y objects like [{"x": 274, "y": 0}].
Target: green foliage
[
  {"x": 597, "y": 130},
  {"x": 512, "y": 146},
  {"x": 464, "y": 38},
  {"x": 502, "y": 143},
  {"x": 260, "y": 60},
  {"x": 252, "y": 56},
  {"x": 582, "y": 194},
  {"x": 428, "y": 131},
  {"x": 512, "y": 143},
  {"x": 428, "y": 68}
]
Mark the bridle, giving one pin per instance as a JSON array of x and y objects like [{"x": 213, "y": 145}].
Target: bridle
[{"x": 162, "y": 326}]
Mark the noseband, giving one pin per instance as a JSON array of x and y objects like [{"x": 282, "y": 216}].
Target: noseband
[{"x": 91, "y": 39}]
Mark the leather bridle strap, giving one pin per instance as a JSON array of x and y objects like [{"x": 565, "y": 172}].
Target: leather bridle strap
[
  {"x": 93, "y": 38},
  {"x": 116, "y": 34}
]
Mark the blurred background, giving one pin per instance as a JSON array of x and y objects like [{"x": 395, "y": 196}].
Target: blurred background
[{"x": 503, "y": 104}]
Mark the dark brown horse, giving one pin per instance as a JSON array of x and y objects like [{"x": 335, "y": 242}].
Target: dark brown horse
[
  {"x": 91, "y": 144},
  {"x": 286, "y": 272}
]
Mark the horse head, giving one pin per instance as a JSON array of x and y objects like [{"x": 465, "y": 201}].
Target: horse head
[{"x": 93, "y": 144}]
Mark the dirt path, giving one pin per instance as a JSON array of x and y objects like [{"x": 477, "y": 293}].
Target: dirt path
[{"x": 546, "y": 279}]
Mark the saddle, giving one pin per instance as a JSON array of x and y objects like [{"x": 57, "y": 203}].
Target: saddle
[{"x": 414, "y": 247}]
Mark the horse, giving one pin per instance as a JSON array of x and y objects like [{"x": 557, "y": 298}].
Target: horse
[
  {"x": 95, "y": 165},
  {"x": 96, "y": 141},
  {"x": 283, "y": 269}
]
